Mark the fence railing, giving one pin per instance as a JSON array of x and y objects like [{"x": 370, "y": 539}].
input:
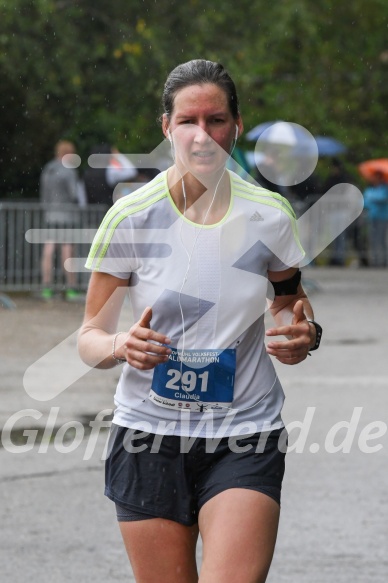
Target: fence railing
[{"x": 23, "y": 231}]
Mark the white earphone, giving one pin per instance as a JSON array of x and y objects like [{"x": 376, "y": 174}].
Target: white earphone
[{"x": 169, "y": 135}]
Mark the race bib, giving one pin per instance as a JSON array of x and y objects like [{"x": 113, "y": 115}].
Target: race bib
[{"x": 201, "y": 380}]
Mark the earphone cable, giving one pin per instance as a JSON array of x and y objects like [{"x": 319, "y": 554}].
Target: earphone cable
[{"x": 189, "y": 257}]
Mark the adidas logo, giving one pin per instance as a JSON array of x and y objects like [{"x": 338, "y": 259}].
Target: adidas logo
[{"x": 256, "y": 217}]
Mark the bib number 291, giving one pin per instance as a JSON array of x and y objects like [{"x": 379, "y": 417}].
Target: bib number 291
[{"x": 188, "y": 380}]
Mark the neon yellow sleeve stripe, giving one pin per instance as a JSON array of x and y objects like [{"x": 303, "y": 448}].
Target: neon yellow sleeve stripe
[
  {"x": 296, "y": 235},
  {"x": 244, "y": 189},
  {"x": 142, "y": 192},
  {"x": 253, "y": 189},
  {"x": 107, "y": 233},
  {"x": 258, "y": 191},
  {"x": 122, "y": 204},
  {"x": 268, "y": 200}
]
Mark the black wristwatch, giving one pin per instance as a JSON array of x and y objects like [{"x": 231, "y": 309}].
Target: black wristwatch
[{"x": 318, "y": 330}]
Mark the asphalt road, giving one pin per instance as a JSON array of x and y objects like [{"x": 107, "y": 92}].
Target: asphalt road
[{"x": 56, "y": 525}]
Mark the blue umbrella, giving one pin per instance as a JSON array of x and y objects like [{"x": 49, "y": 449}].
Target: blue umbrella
[
  {"x": 285, "y": 152},
  {"x": 256, "y": 132},
  {"x": 286, "y": 133},
  {"x": 282, "y": 133},
  {"x": 329, "y": 146}
]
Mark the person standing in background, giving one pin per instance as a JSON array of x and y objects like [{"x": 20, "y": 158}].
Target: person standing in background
[
  {"x": 58, "y": 191},
  {"x": 100, "y": 183},
  {"x": 376, "y": 206},
  {"x": 338, "y": 175},
  {"x": 120, "y": 170}
]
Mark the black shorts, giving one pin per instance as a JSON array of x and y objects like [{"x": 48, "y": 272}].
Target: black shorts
[{"x": 148, "y": 476}]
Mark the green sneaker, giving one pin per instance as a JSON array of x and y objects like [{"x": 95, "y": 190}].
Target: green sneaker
[
  {"x": 73, "y": 296},
  {"x": 46, "y": 293}
]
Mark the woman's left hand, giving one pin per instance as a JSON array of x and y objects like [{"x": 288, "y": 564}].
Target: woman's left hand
[{"x": 301, "y": 336}]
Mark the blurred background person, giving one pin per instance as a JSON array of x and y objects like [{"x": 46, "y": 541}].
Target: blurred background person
[
  {"x": 59, "y": 191},
  {"x": 376, "y": 206},
  {"x": 337, "y": 175},
  {"x": 100, "y": 183},
  {"x": 120, "y": 173}
]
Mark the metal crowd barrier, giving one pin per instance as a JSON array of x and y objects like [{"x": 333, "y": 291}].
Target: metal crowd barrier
[
  {"x": 20, "y": 259},
  {"x": 333, "y": 228}
]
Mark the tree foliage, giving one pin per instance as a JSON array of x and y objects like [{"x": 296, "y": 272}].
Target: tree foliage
[{"x": 92, "y": 70}]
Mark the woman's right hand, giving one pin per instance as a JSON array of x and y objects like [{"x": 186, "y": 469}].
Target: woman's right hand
[{"x": 142, "y": 346}]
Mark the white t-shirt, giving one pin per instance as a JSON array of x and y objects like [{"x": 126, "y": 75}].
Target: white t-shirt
[{"x": 207, "y": 286}]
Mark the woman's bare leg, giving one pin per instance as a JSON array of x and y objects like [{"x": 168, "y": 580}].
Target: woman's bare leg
[
  {"x": 238, "y": 528},
  {"x": 67, "y": 253},
  {"x": 47, "y": 263},
  {"x": 161, "y": 551}
]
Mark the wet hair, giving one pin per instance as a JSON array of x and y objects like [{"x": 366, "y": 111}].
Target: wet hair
[{"x": 199, "y": 72}]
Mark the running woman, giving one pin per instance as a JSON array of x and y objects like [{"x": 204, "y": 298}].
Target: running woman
[{"x": 198, "y": 442}]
